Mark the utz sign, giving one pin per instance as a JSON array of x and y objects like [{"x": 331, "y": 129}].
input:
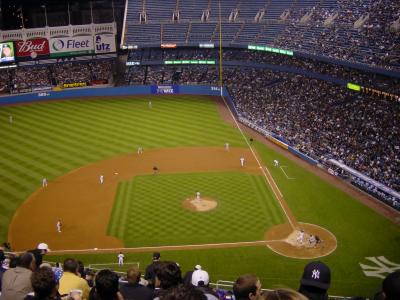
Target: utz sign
[
  {"x": 32, "y": 47},
  {"x": 104, "y": 43},
  {"x": 71, "y": 46}
]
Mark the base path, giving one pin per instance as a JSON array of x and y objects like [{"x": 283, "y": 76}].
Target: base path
[{"x": 84, "y": 205}]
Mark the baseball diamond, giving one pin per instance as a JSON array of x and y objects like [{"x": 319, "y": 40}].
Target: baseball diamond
[{"x": 137, "y": 211}]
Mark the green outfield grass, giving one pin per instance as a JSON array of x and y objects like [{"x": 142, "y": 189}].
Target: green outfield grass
[
  {"x": 50, "y": 139},
  {"x": 148, "y": 210}
]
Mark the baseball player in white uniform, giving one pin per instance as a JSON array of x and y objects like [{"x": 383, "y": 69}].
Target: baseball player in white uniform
[
  {"x": 10, "y": 118},
  {"x": 227, "y": 146},
  {"x": 276, "y": 163},
  {"x": 121, "y": 257},
  {"x": 300, "y": 237},
  {"x": 44, "y": 182},
  {"x": 198, "y": 196},
  {"x": 101, "y": 179},
  {"x": 150, "y": 104},
  {"x": 139, "y": 150},
  {"x": 59, "y": 225},
  {"x": 242, "y": 161}
]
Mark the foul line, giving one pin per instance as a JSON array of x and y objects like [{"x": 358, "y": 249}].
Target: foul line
[
  {"x": 285, "y": 173},
  {"x": 174, "y": 247},
  {"x": 270, "y": 182}
]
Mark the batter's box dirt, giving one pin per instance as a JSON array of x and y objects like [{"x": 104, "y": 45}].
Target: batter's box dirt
[
  {"x": 283, "y": 240},
  {"x": 203, "y": 204}
]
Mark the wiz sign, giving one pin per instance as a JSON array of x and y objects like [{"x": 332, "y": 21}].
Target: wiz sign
[
  {"x": 71, "y": 46},
  {"x": 104, "y": 43}
]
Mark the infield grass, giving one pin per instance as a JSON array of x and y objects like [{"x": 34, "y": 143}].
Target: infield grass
[{"x": 148, "y": 210}]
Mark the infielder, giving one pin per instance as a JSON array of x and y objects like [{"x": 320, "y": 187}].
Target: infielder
[
  {"x": 44, "y": 182},
  {"x": 198, "y": 196},
  {"x": 242, "y": 161},
  {"x": 276, "y": 163},
  {"x": 139, "y": 150},
  {"x": 101, "y": 179},
  {"x": 59, "y": 225},
  {"x": 227, "y": 146},
  {"x": 121, "y": 259}
]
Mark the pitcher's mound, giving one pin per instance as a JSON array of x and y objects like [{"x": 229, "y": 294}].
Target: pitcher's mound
[
  {"x": 308, "y": 241},
  {"x": 202, "y": 205}
]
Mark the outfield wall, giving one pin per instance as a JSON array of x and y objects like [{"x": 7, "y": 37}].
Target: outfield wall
[{"x": 114, "y": 91}]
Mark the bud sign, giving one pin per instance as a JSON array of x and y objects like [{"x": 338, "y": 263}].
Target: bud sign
[{"x": 39, "y": 46}]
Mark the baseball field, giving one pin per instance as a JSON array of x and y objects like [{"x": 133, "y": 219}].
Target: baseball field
[{"x": 246, "y": 220}]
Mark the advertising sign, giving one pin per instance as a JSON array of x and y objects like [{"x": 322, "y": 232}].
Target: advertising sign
[
  {"x": 74, "y": 84},
  {"x": 32, "y": 47},
  {"x": 68, "y": 46},
  {"x": 7, "y": 52},
  {"x": 104, "y": 43},
  {"x": 164, "y": 89}
]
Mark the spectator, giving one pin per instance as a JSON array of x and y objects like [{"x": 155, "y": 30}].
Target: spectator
[
  {"x": 168, "y": 275},
  {"x": 187, "y": 279},
  {"x": 106, "y": 286},
  {"x": 2, "y": 269},
  {"x": 391, "y": 286},
  {"x": 201, "y": 280},
  {"x": 247, "y": 287},
  {"x": 284, "y": 294},
  {"x": 133, "y": 290},
  {"x": 315, "y": 281},
  {"x": 44, "y": 285},
  {"x": 16, "y": 282},
  {"x": 150, "y": 274},
  {"x": 70, "y": 280},
  {"x": 39, "y": 252},
  {"x": 184, "y": 292}
]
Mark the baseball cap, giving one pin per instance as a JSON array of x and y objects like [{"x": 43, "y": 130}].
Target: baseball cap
[
  {"x": 43, "y": 246},
  {"x": 156, "y": 255},
  {"x": 200, "y": 277},
  {"x": 316, "y": 274},
  {"x": 197, "y": 267},
  {"x": 391, "y": 286}
]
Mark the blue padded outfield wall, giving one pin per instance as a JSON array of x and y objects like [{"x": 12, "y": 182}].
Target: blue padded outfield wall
[{"x": 114, "y": 91}]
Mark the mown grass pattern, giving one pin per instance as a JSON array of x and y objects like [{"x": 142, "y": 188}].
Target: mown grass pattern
[
  {"x": 50, "y": 139},
  {"x": 148, "y": 210}
]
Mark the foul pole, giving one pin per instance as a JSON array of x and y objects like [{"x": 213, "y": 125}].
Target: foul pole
[{"x": 220, "y": 48}]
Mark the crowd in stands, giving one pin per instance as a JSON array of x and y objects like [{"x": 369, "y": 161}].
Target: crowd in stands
[
  {"x": 320, "y": 119},
  {"x": 334, "y": 29},
  {"x": 22, "y": 277},
  {"x": 32, "y": 78},
  {"x": 71, "y": 72},
  {"x": 372, "y": 80},
  {"x": 25, "y": 78}
]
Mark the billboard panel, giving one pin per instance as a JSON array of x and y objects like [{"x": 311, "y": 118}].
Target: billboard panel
[
  {"x": 68, "y": 46},
  {"x": 104, "y": 43},
  {"x": 32, "y": 47},
  {"x": 7, "y": 52}
]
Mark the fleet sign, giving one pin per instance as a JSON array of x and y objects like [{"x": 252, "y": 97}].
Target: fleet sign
[
  {"x": 32, "y": 47},
  {"x": 68, "y": 46},
  {"x": 104, "y": 43}
]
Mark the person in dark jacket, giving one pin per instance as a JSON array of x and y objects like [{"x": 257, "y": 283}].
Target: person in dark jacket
[{"x": 133, "y": 290}]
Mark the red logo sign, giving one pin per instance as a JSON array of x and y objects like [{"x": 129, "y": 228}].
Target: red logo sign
[{"x": 33, "y": 47}]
